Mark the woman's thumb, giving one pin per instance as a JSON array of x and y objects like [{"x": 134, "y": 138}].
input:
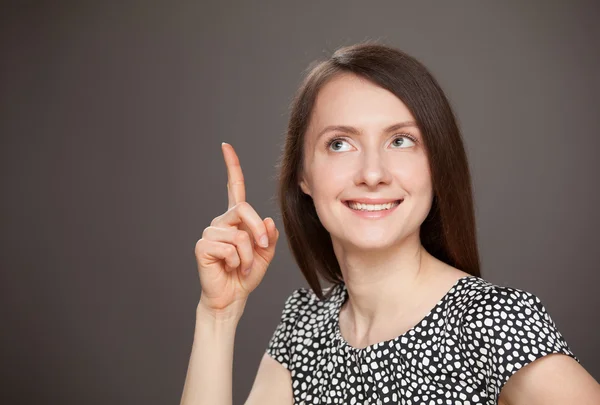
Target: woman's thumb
[{"x": 272, "y": 232}]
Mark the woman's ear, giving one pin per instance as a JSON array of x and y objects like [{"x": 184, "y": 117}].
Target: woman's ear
[{"x": 304, "y": 187}]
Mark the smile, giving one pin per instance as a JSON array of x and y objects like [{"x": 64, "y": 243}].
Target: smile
[
  {"x": 372, "y": 207},
  {"x": 372, "y": 210}
]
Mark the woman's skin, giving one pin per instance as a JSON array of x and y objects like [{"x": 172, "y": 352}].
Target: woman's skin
[{"x": 392, "y": 281}]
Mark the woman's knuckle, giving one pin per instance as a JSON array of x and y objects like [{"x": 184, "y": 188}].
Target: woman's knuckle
[
  {"x": 229, "y": 250},
  {"x": 243, "y": 205},
  {"x": 241, "y": 237},
  {"x": 198, "y": 245}
]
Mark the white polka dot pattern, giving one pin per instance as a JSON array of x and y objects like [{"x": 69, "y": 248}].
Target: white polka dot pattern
[{"x": 462, "y": 352}]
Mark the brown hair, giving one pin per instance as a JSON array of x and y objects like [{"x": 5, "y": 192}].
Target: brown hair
[{"x": 448, "y": 233}]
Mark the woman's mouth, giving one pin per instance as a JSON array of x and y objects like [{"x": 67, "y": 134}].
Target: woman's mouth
[
  {"x": 372, "y": 210},
  {"x": 372, "y": 207}
]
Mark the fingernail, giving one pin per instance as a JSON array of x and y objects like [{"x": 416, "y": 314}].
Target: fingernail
[{"x": 264, "y": 241}]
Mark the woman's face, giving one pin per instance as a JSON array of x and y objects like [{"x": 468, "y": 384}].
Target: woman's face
[{"x": 370, "y": 161}]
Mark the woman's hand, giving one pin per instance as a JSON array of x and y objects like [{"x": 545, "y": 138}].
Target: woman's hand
[{"x": 231, "y": 259}]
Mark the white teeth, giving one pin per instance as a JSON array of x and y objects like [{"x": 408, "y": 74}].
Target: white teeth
[{"x": 371, "y": 207}]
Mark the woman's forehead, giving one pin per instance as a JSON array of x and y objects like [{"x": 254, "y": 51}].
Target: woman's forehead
[
  {"x": 355, "y": 100},
  {"x": 358, "y": 103}
]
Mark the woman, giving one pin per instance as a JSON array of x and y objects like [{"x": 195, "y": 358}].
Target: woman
[{"x": 376, "y": 199}]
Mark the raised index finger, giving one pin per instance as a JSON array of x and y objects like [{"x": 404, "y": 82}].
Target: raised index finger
[{"x": 236, "y": 190}]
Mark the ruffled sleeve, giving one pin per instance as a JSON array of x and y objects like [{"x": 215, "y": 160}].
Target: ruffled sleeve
[
  {"x": 279, "y": 345},
  {"x": 504, "y": 329}
]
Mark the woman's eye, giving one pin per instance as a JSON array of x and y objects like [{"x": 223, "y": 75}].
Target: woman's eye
[
  {"x": 403, "y": 139},
  {"x": 335, "y": 142},
  {"x": 400, "y": 141}
]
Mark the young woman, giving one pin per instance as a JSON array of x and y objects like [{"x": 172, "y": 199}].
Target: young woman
[{"x": 375, "y": 195}]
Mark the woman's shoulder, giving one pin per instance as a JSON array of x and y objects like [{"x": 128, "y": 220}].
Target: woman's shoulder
[
  {"x": 305, "y": 301},
  {"x": 303, "y": 314},
  {"x": 486, "y": 304},
  {"x": 490, "y": 299},
  {"x": 504, "y": 328}
]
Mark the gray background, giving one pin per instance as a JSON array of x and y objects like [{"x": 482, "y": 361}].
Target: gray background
[{"x": 111, "y": 120}]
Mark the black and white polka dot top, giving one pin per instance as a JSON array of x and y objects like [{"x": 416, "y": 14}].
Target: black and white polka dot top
[{"x": 462, "y": 352}]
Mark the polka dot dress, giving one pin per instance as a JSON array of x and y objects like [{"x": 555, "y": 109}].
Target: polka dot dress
[{"x": 462, "y": 352}]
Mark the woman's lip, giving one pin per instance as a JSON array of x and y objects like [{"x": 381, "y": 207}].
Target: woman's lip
[
  {"x": 373, "y": 214},
  {"x": 373, "y": 202},
  {"x": 347, "y": 202}
]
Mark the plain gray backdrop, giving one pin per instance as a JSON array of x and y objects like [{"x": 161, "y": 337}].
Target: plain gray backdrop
[{"x": 111, "y": 120}]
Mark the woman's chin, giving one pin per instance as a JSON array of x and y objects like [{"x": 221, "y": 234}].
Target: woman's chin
[{"x": 371, "y": 244}]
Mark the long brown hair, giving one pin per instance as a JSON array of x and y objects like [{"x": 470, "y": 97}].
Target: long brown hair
[{"x": 448, "y": 233}]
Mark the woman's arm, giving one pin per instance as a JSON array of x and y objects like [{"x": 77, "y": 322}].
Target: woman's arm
[
  {"x": 232, "y": 256},
  {"x": 552, "y": 379},
  {"x": 272, "y": 385},
  {"x": 209, "y": 373}
]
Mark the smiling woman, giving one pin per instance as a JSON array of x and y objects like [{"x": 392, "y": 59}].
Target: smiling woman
[
  {"x": 389, "y": 133},
  {"x": 376, "y": 198}
]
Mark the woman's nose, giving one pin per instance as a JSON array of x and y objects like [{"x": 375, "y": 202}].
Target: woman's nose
[{"x": 373, "y": 168}]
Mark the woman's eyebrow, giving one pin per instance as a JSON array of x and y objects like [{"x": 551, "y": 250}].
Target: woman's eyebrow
[{"x": 355, "y": 131}]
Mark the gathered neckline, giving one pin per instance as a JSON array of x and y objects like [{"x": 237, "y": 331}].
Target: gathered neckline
[{"x": 342, "y": 295}]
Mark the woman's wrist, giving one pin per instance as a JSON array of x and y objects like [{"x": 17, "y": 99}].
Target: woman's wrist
[{"x": 229, "y": 315}]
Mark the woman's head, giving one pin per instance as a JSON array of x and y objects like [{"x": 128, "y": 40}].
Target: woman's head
[
  {"x": 400, "y": 141},
  {"x": 363, "y": 143}
]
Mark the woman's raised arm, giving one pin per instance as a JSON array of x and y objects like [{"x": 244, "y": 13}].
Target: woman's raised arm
[{"x": 232, "y": 256}]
